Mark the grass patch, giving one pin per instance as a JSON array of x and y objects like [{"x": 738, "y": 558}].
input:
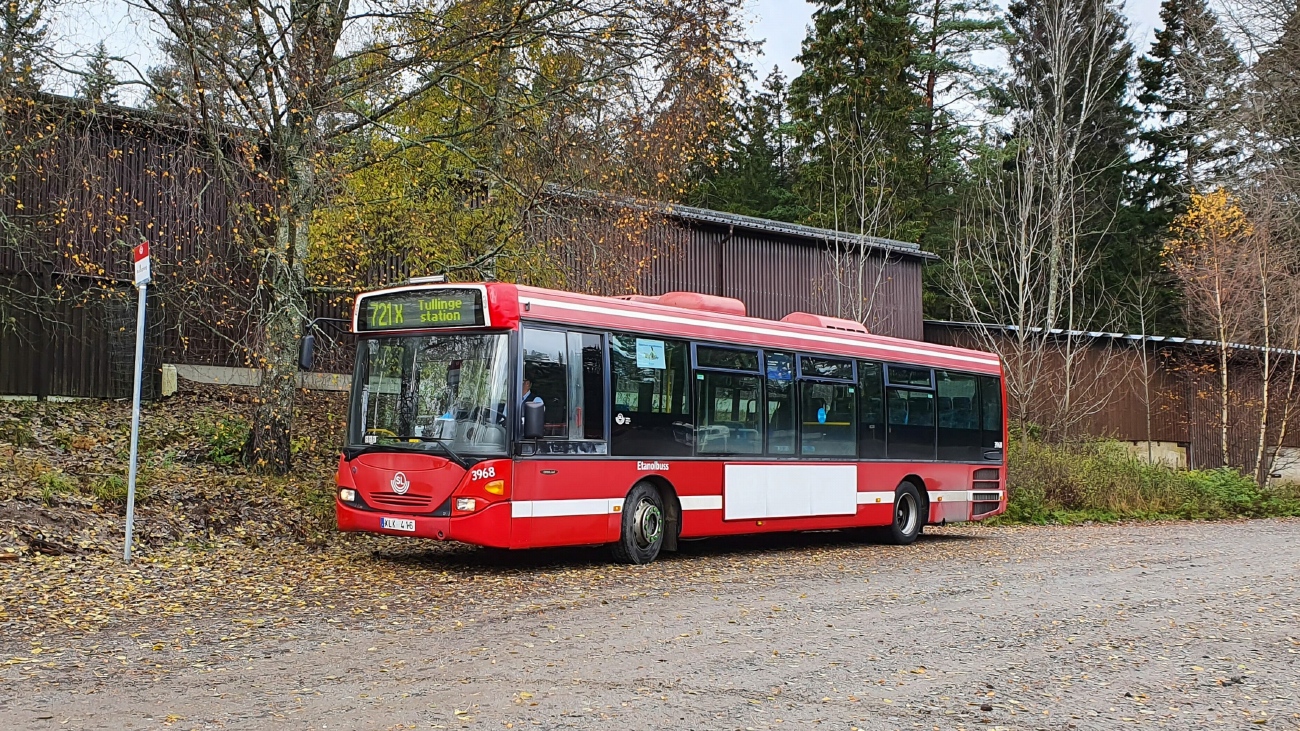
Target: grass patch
[
  {"x": 112, "y": 489},
  {"x": 1103, "y": 481},
  {"x": 16, "y": 432},
  {"x": 225, "y": 438},
  {"x": 54, "y": 484}
]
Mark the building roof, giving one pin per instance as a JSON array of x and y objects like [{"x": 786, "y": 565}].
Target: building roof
[
  {"x": 739, "y": 222},
  {"x": 1128, "y": 337},
  {"x": 794, "y": 230}
]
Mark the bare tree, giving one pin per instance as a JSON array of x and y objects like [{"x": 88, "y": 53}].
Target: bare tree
[
  {"x": 277, "y": 86},
  {"x": 1144, "y": 299},
  {"x": 1026, "y": 245},
  {"x": 857, "y": 197},
  {"x": 1274, "y": 320}
]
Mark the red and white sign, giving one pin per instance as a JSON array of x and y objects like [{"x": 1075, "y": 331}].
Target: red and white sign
[{"x": 141, "y": 256}]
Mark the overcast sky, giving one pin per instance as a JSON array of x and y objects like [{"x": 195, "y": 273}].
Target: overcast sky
[
  {"x": 781, "y": 24},
  {"x": 784, "y": 23}
]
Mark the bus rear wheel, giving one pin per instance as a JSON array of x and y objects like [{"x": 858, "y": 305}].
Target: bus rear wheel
[
  {"x": 908, "y": 517},
  {"x": 644, "y": 523}
]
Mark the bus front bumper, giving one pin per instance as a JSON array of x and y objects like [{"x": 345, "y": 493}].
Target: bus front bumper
[{"x": 487, "y": 527}]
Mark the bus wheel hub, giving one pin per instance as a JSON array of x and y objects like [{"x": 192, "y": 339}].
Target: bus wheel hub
[{"x": 649, "y": 523}]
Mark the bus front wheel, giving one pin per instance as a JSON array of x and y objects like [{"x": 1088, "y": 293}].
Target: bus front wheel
[{"x": 644, "y": 523}]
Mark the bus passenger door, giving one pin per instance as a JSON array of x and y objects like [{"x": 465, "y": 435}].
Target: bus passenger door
[{"x": 557, "y": 502}]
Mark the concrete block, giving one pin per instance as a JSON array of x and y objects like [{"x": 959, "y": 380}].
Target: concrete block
[{"x": 168, "y": 380}]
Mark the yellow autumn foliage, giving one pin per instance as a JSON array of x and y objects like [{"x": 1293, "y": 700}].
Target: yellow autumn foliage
[{"x": 1208, "y": 234}]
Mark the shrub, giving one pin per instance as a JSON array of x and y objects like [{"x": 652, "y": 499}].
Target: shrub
[
  {"x": 225, "y": 439},
  {"x": 1103, "y": 480}
]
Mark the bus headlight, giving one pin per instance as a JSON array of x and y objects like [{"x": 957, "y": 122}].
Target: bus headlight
[
  {"x": 465, "y": 504},
  {"x": 348, "y": 495}
]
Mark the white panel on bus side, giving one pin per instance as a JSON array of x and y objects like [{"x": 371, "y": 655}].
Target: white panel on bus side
[{"x": 786, "y": 491}]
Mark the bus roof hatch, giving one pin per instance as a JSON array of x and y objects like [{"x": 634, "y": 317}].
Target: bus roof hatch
[{"x": 833, "y": 323}]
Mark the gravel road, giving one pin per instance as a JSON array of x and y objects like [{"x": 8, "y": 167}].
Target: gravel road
[{"x": 1177, "y": 625}]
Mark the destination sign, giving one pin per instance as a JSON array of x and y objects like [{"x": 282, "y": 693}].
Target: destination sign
[{"x": 420, "y": 309}]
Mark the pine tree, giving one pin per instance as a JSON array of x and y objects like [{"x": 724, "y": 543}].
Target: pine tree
[
  {"x": 949, "y": 34},
  {"x": 854, "y": 108},
  {"x": 1101, "y": 115},
  {"x": 754, "y": 177},
  {"x": 952, "y": 85},
  {"x": 1189, "y": 93},
  {"x": 1276, "y": 92},
  {"x": 24, "y": 44},
  {"x": 98, "y": 84}
]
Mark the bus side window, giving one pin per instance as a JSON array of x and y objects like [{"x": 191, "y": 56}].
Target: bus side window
[
  {"x": 593, "y": 387},
  {"x": 911, "y": 424},
  {"x": 871, "y": 411},
  {"x": 651, "y": 401},
  {"x": 959, "y": 421},
  {"x": 729, "y": 422},
  {"x": 828, "y": 411},
  {"x": 780, "y": 404},
  {"x": 546, "y": 369}
]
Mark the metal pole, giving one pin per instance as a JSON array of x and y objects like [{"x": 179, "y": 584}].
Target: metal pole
[{"x": 135, "y": 423}]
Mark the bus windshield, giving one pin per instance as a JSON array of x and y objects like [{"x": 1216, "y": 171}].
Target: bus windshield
[{"x": 443, "y": 393}]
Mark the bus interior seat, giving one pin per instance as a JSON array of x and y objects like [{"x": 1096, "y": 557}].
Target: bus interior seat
[{"x": 781, "y": 418}]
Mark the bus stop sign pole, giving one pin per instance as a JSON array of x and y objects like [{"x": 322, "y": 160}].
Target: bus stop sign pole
[{"x": 142, "y": 276}]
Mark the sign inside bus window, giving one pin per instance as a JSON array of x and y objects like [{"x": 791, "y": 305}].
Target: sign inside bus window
[
  {"x": 415, "y": 310},
  {"x": 780, "y": 367},
  {"x": 650, "y": 354}
]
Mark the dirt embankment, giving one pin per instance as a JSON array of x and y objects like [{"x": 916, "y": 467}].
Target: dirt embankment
[{"x": 63, "y": 473}]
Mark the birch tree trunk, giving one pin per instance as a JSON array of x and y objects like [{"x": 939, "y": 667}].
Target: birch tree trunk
[{"x": 1222, "y": 325}]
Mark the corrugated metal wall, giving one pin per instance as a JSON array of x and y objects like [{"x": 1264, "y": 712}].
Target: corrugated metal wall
[
  {"x": 775, "y": 276},
  {"x": 91, "y": 182},
  {"x": 85, "y": 185},
  {"x": 1182, "y": 387}
]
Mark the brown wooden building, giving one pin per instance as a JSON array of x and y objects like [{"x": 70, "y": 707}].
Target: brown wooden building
[
  {"x": 1165, "y": 391},
  {"x": 92, "y": 180},
  {"x": 777, "y": 268}
]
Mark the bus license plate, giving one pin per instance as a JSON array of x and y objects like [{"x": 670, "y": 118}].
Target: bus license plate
[{"x": 397, "y": 524}]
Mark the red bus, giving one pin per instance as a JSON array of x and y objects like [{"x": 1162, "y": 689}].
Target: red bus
[{"x": 517, "y": 417}]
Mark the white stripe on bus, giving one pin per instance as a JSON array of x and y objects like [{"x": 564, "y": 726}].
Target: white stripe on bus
[
  {"x": 663, "y": 317},
  {"x": 604, "y": 506},
  {"x": 700, "y": 502},
  {"x": 562, "y": 508}
]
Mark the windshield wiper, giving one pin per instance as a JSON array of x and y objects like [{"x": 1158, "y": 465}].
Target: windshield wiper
[
  {"x": 408, "y": 444},
  {"x": 442, "y": 442}
]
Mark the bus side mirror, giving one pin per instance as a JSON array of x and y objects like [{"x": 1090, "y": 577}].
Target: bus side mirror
[
  {"x": 307, "y": 353},
  {"x": 534, "y": 420}
]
